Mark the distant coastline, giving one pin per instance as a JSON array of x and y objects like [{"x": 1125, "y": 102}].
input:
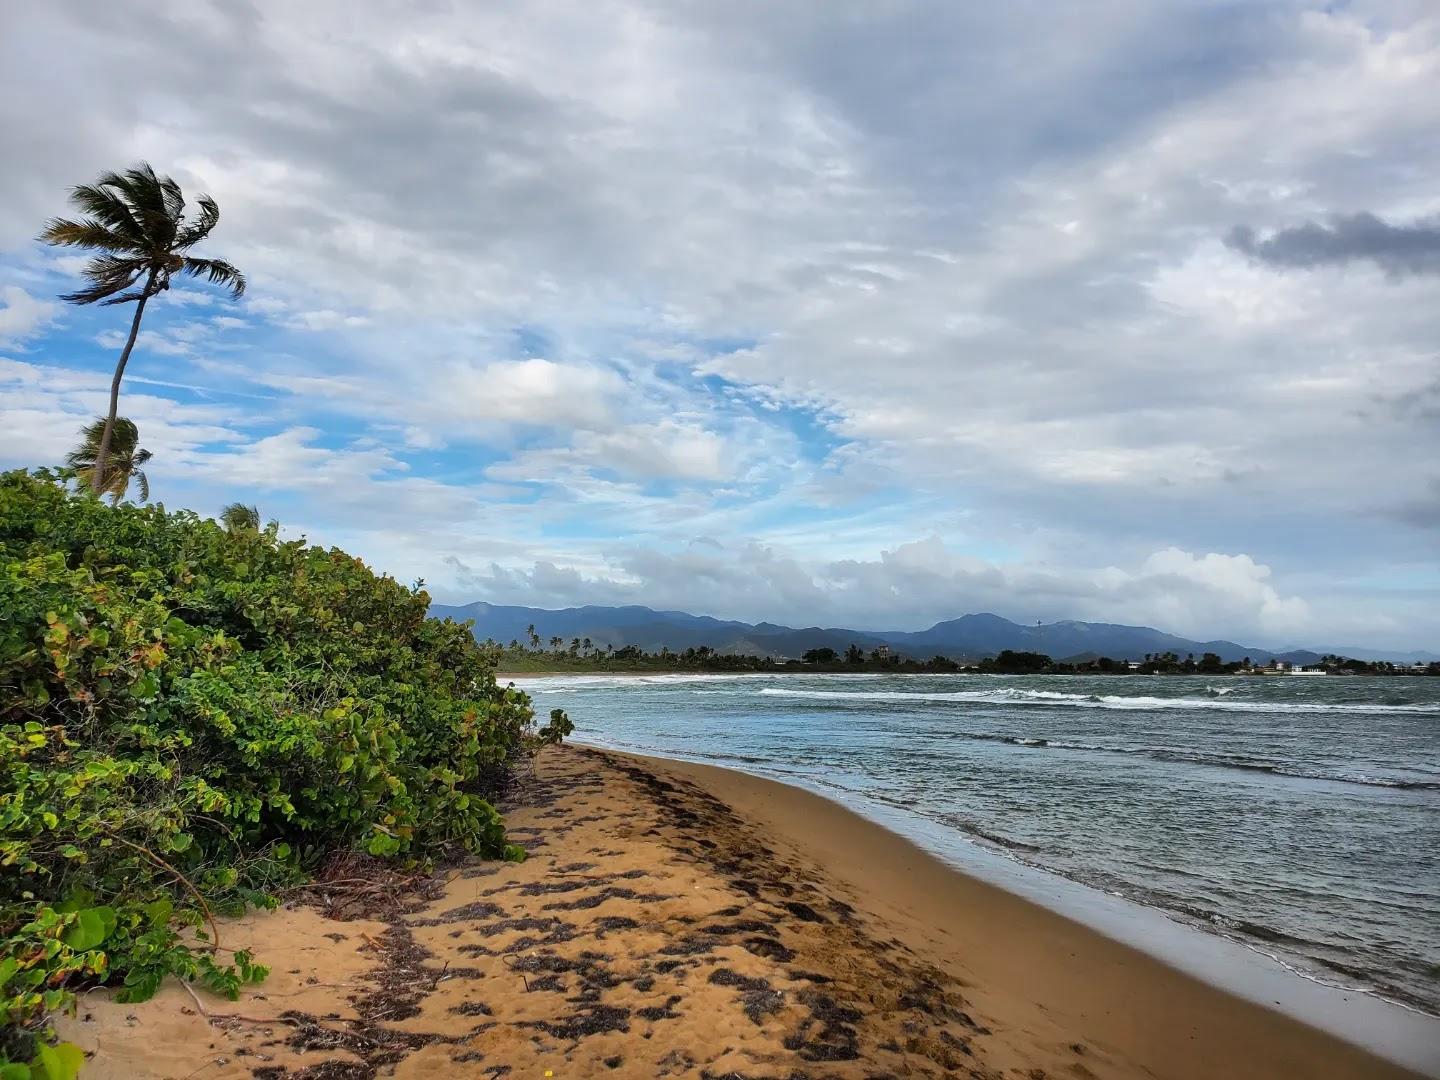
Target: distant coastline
[
  {"x": 517, "y": 661},
  {"x": 672, "y": 636}
]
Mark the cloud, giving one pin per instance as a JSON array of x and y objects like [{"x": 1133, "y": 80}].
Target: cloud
[
  {"x": 630, "y": 273},
  {"x": 43, "y": 408},
  {"x": 21, "y": 315},
  {"x": 1396, "y": 249},
  {"x": 145, "y": 341},
  {"x": 1193, "y": 592},
  {"x": 1423, "y": 511},
  {"x": 324, "y": 320},
  {"x": 910, "y": 586}
]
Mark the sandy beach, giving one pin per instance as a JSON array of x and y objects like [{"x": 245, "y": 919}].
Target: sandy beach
[{"x": 682, "y": 920}]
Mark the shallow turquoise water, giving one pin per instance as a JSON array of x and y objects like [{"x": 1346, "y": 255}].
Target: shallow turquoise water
[{"x": 1300, "y": 816}]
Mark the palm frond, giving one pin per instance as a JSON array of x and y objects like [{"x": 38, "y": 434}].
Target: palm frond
[
  {"x": 123, "y": 298},
  {"x": 238, "y": 517},
  {"x": 125, "y": 438},
  {"x": 109, "y": 269},
  {"x": 103, "y": 286},
  {"x": 218, "y": 272},
  {"x": 107, "y": 275},
  {"x": 198, "y": 229},
  {"x": 124, "y": 460},
  {"x": 89, "y": 295},
  {"x": 86, "y": 233},
  {"x": 103, "y": 201},
  {"x": 146, "y": 194},
  {"x": 83, "y": 456},
  {"x": 174, "y": 199}
]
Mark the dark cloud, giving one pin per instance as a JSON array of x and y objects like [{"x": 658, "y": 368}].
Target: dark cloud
[
  {"x": 1396, "y": 249},
  {"x": 1422, "y": 403},
  {"x": 1423, "y": 512}
]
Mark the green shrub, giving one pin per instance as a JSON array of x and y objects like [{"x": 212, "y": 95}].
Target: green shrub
[{"x": 190, "y": 718}]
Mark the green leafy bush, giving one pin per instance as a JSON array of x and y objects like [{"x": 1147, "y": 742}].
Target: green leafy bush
[{"x": 191, "y": 718}]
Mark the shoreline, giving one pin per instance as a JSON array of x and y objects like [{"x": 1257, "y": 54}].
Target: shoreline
[
  {"x": 856, "y": 849},
  {"x": 1120, "y": 795},
  {"x": 677, "y": 919},
  {"x": 1359, "y": 1015}
]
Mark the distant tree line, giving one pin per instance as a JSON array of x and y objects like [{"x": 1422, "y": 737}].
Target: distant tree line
[{"x": 539, "y": 653}]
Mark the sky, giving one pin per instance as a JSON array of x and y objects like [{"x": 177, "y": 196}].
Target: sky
[{"x": 863, "y": 314}]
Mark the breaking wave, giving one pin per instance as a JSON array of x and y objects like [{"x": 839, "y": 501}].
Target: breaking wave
[{"x": 1017, "y": 696}]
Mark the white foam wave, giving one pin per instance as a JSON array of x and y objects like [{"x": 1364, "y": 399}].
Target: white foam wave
[
  {"x": 1016, "y": 696},
  {"x": 550, "y": 684}
]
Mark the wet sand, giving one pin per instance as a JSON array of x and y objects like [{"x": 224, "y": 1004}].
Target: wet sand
[{"x": 683, "y": 920}]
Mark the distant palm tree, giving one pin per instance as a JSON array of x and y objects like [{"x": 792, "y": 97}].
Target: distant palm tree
[
  {"x": 135, "y": 220},
  {"x": 237, "y": 517},
  {"x": 122, "y": 465}
]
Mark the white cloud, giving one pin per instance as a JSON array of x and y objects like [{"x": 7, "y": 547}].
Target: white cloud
[
  {"x": 324, "y": 320},
  {"x": 802, "y": 280},
  {"x": 21, "y": 315},
  {"x": 665, "y": 450},
  {"x": 146, "y": 341},
  {"x": 912, "y": 586},
  {"x": 1191, "y": 593},
  {"x": 43, "y": 408}
]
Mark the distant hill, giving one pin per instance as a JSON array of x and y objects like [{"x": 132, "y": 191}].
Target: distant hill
[
  {"x": 1396, "y": 656},
  {"x": 968, "y": 637}
]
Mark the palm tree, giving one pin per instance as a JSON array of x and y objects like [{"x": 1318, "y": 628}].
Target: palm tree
[
  {"x": 135, "y": 221},
  {"x": 122, "y": 465},
  {"x": 237, "y": 517}
]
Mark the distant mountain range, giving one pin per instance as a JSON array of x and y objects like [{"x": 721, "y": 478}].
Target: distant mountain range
[{"x": 968, "y": 637}]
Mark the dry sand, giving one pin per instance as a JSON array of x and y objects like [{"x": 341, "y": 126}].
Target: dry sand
[{"x": 680, "y": 920}]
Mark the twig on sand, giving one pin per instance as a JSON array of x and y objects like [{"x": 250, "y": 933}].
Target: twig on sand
[
  {"x": 309, "y": 988},
  {"x": 507, "y": 960},
  {"x": 334, "y": 882},
  {"x": 195, "y": 998},
  {"x": 259, "y": 1019},
  {"x": 212, "y": 1017}
]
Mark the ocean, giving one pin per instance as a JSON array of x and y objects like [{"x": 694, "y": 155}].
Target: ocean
[{"x": 1297, "y": 816}]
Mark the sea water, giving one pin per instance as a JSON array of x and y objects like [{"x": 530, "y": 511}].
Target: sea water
[{"x": 1300, "y": 817}]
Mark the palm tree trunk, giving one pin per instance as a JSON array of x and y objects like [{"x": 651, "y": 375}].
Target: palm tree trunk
[{"x": 97, "y": 476}]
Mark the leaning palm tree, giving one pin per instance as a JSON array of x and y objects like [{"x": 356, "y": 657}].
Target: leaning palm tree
[
  {"x": 121, "y": 465},
  {"x": 237, "y": 517},
  {"x": 135, "y": 221}
]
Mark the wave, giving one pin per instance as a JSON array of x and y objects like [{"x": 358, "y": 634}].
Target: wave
[
  {"x": 564, "y": 683},
  {"x": 995, "y": 838},
  {"x": 1016, "y": 696},
  {"x": 553, "y": 683},
  {"x": 1189, "y": 757}
]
